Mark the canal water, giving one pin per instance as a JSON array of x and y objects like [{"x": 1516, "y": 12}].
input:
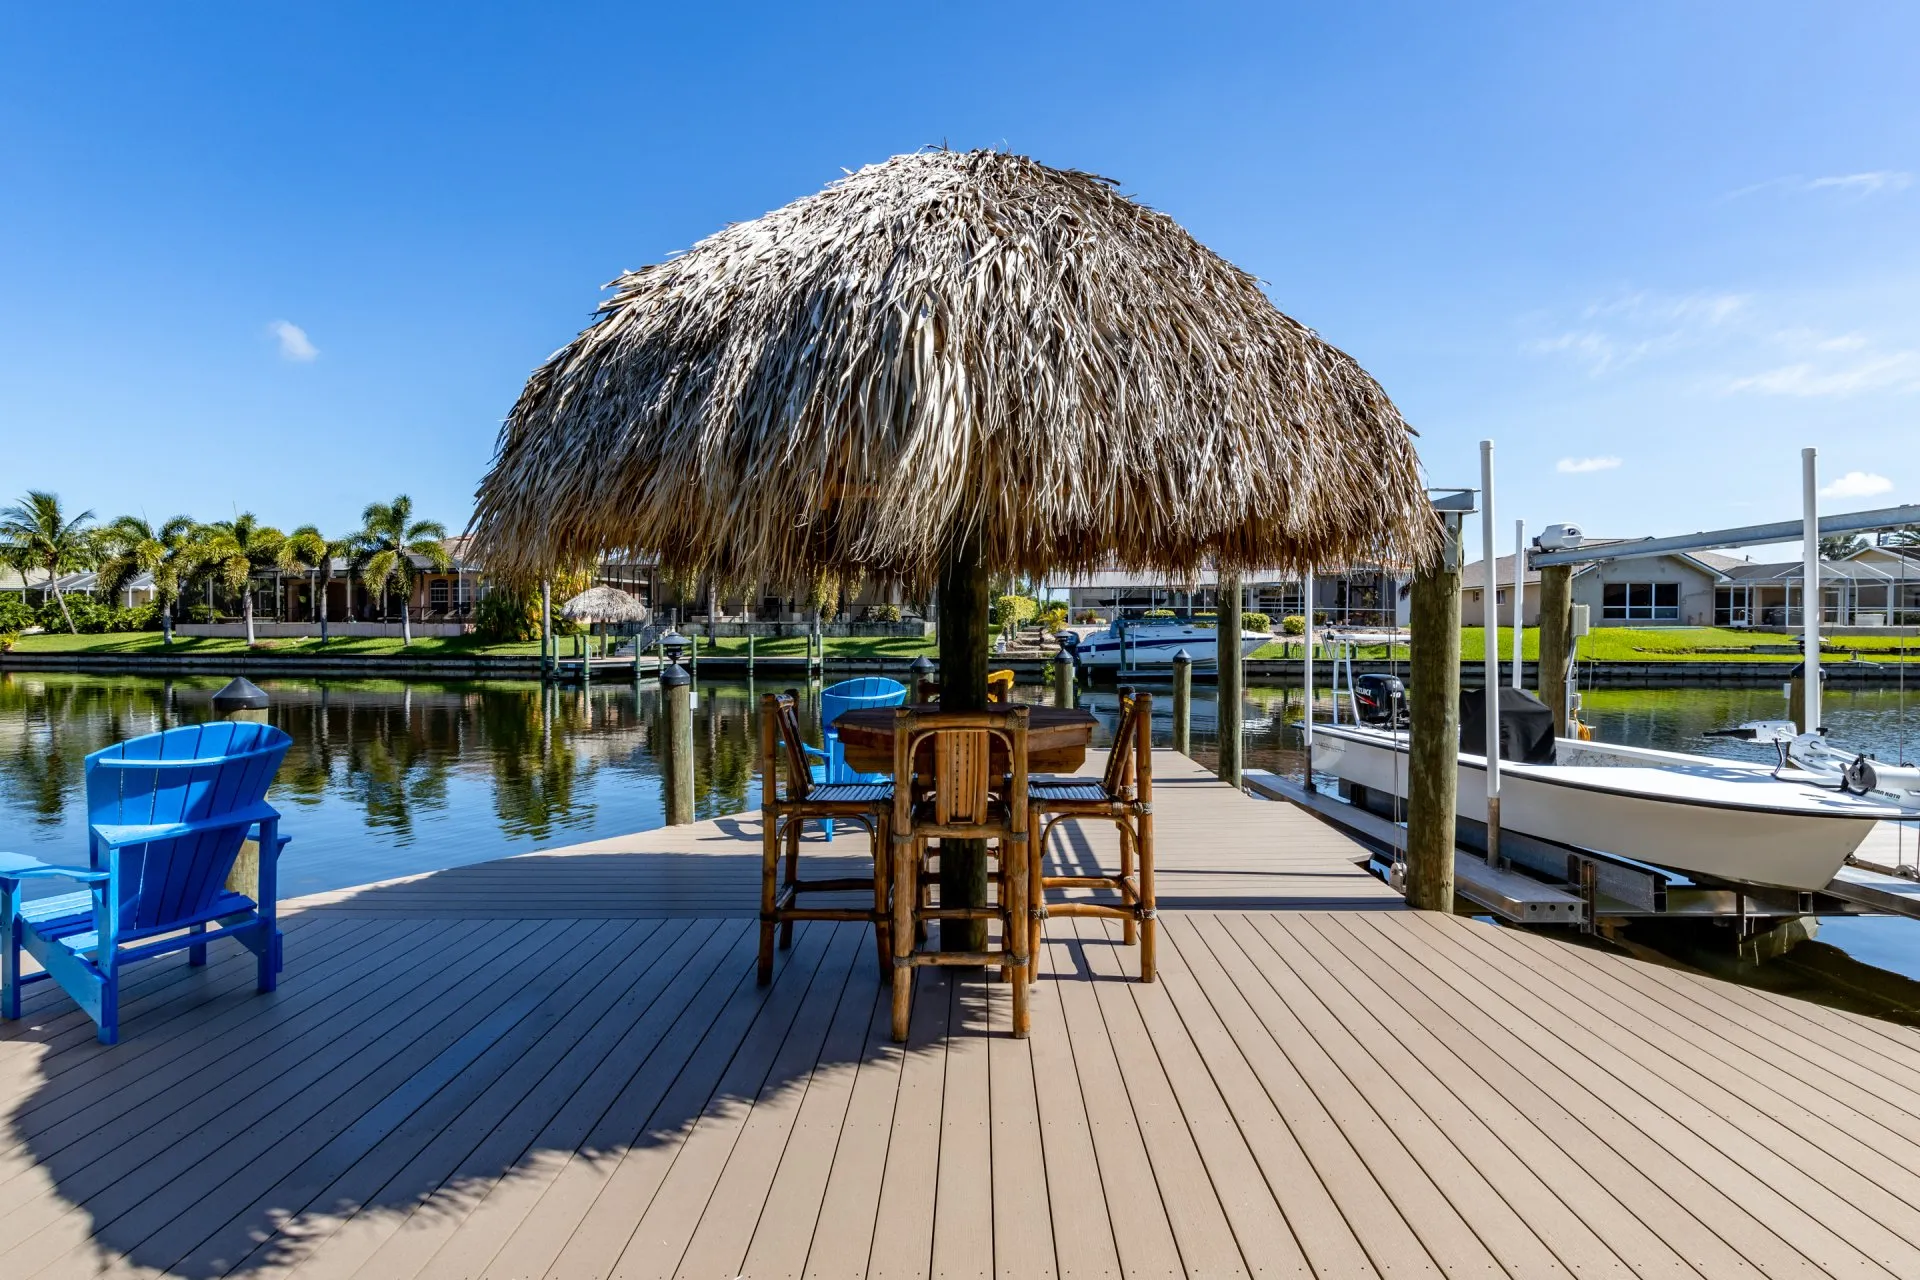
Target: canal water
[{"x": 390, "y": 778}]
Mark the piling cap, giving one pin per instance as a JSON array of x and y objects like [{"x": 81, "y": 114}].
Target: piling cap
[
  {"x": 240, "y": 694},
  {"x": 1063, "y": 657},
  {"x": 675, "y": 677},
  {"x": 922, "y": 665},
  {"x": 1183, "y": 656}
]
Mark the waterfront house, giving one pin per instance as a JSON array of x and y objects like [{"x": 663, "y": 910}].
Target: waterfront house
[{"x": 1363, "y": 596}]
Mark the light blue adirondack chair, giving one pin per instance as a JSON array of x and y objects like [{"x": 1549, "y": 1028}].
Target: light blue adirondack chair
[
  {"x": 867, "y": 691},
  {"x": 167, "y": 815}
]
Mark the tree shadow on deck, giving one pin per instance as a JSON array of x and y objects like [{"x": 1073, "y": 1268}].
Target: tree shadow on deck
[{"x": 540, "y": 1089}]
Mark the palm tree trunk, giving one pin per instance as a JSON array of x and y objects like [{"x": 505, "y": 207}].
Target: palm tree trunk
[
  {"x": 326, "y": 580},
  {"x": 406, "y": 616},
  {"x": 246, "y": 608},
  {"x": 54, "y": 582}
]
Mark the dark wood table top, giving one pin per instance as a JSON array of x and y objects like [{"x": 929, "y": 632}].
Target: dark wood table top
[{"x": 1057, "y": 739}]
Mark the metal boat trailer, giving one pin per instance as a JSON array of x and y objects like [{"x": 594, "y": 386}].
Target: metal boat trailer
[{"x": 1546, "y": 883}]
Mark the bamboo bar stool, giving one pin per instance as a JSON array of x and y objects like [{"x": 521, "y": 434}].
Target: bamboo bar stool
[
  {"x": 1122, "y": 796},
  {"x": 974, "y": 787},
  {"x": 783, "y": 812}
]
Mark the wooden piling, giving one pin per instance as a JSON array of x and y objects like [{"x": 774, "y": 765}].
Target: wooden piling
[
  {"x": 1434, "y": 703},
  {"x": 1183, "y": 703},
  {"x": 1556, "y": 640},
  {"x": 677, "y": 685},
  {"x": 1063, "y": 680},
  {"x": 1227, "y": 649},
  {"x": 965, "y": 636}
]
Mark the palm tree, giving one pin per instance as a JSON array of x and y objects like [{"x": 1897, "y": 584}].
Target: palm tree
[
  {"x": 1838, "y": 546},
  {"x": 386, "y": 547},
  {"x": 42, "y": 536},
  {"x": 232, "y": 549},
  {"x": 169, "y": 553},
  {"x": 308, "y": 549}
]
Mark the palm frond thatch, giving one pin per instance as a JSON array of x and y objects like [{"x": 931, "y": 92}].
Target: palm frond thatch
[
  {"x": 604, "y": 604},
  {"x": 946, "y": 346}
]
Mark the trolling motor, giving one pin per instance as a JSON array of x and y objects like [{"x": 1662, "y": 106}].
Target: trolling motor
[{"x": 1856, "y": 773}]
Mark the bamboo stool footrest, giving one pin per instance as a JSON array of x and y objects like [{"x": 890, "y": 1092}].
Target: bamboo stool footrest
[{"x": 968, "y": 959}]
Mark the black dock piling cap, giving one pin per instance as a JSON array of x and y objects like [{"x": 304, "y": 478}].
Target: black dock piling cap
[
  {"x": 1063, "y": 657},
  {"x": 921, "y": 666},
  {"x": 674, "y": 677},
  {"x": 1183, "y": 656},
  {"x": 241, "y": 694}
]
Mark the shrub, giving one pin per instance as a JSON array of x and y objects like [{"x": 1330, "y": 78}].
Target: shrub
[
  {"x": 505, "y": 617},
  {"x": 1088, "y": 617},
  {"x": 1014, "y": 611},
  {"x": 16, "y": 615},
  {"x": 1293, "y": 624},
  {"x": 141, "y": 617},
  {"x": 1158, "y": 613},
  {"x": 90, "y": 617},
  {"x": 884, "y": 613},
  {"x": 1256, "y": 621},
  {"x": 201, "y": 613},
  {"x": 1053, "y": 618}
]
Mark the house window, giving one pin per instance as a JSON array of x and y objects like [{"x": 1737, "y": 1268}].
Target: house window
[
  {"x": 1640, "y": 602},
  {"x": 1500, "y": 596},
  {"x": 437, "y": 595}
]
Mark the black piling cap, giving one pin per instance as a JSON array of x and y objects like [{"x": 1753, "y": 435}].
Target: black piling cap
[
  {"x": 921, "y": 666},
  {"x": 241, "y": 694},
  {"x": 1063, "y": 657},
  {"x": 675, "y": 677},
  {"x": 1183, "y": 656}
]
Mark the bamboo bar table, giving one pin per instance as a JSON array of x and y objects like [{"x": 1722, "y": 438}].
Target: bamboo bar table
[{"x": 1057, "y": 739}]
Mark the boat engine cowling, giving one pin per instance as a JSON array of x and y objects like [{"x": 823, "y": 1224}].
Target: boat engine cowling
[
  {"x": 1381, "y": 700},
  {"x": 1526, "y": 726}
]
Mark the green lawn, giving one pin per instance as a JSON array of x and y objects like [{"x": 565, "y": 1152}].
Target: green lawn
[
  {"x": 839, "y": 646},
  {"x": 151, "y": 643},
  {"x": 1674, "y": 644}
]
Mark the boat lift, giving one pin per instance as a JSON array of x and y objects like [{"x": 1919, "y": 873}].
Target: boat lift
[{"x": 1526, "y": 880}]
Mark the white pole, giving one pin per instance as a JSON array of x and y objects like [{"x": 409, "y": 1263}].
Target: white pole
[
  {"x": 1810, "y": 592},
  {"x": 1490, "y": 619},
  {"x": 1306, "y": 671},
  {"x": 1519, "y": 595}
]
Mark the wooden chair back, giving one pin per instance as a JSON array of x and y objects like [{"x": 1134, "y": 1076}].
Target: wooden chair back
[
  {"x": 781, "y": 749},
  {"x": 963, "y": 786},
  {"x": 1121, "y": 760}
]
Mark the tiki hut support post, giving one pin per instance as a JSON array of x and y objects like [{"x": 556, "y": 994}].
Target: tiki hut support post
[
  {"x": 1434, "y": 746},
  {"x": 546, "y": 628},
  {"x": 965, "y": 637},
  {"x": 1556, "y": 640},
  {"x": 1227, "y": 645}
]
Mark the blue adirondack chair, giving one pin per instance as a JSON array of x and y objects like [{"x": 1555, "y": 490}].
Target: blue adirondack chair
[
  {"x": 868, "y": 691},
  {"x": 167, "y": 815}
]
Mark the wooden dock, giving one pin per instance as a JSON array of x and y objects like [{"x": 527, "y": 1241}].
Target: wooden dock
[{"x": 559, "y": 1065}]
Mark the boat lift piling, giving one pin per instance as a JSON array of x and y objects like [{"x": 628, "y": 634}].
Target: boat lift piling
[
  {"x": 1519, "y": 600},
  {"x": 1434, "y": 706}
]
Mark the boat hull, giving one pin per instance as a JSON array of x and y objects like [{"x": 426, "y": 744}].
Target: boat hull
[
  {"x": 1780, "y": 835},
  {"x": 1155, "y": 645}
]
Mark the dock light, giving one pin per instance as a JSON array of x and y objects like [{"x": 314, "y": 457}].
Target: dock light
[{"x": 676, "y": 646}]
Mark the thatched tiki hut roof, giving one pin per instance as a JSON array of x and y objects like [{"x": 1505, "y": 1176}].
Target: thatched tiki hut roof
[
  {"x": 946, "y": 353},
  {"x": 604, "y": 604}
]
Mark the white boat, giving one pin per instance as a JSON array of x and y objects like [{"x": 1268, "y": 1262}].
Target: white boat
[
  {"x": 1728, "y": 819},
  {"x": 1153, "y": 644}
]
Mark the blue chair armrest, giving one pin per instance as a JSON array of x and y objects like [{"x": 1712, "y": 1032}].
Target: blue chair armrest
[
  {"x": 15, "y": 867},
  {"x": 813, "y": 751},
  {"x": 119, "y": 835}
]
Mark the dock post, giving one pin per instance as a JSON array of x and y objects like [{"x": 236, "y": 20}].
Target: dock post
[
  {"x": 1226, "y": 645},
  {"x": 749, "y": 657},
  {"x": 241, "y": 700},
  {"x": 1183, "y": 702},
  {"x": 546, "y": 628},
  {"x": 1434, "y": 737},
  {"x": 1063, "y": 680},
  {"x": 678, "y": 687},
  {"x": 1556, "y": 640},
  {"x": 693, "y": 644}
]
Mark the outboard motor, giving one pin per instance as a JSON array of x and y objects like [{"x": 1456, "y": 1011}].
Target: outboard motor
[
  {"x": 1526, "y": 726},
  {"x": 1381, "y": 701}
]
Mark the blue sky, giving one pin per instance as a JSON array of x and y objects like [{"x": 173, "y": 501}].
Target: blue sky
[{"x": 293, "y": 258}]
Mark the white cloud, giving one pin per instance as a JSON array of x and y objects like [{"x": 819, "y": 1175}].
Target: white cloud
[
  {"x": 1864, "y": 184},
  {"x": 1864, "y": 369},
  {"x": 1633, "y": 326},
  {"x": 1860, "y": 185},
  {"x": 294, "y": 343},
  {"x": 1580, "y": 466},
  {"x": 1858, "y": 484}
]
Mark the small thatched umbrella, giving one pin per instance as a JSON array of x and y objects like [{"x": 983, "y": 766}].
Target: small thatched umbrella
[
  {"x": 597, "y": 605},
  {"x": 604, "y": 604},
  {"x": 941, "y": 367}
]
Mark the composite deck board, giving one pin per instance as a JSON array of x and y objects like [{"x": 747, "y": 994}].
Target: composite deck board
[{"x": 560, "y": 1065}]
